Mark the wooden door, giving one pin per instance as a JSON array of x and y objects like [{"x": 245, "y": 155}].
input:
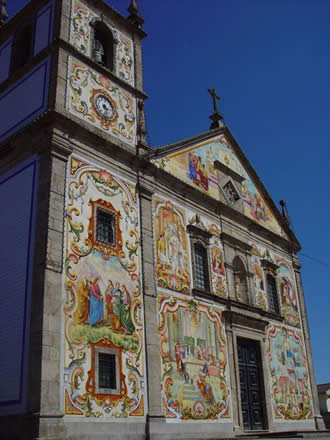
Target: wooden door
[{"x": 252, "y": 395}]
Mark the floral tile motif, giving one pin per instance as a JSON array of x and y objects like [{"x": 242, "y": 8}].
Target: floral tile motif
[
  {"x": 103, "y": 311},
  {"x": 100, "y": 102},
  {"x": 81, "y": 37}
]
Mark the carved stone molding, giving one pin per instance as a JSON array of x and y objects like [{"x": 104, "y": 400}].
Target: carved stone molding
[
  {"x": 229, "y": 172},
  {"x": 251, "y": 322},
  {"x": 235, "y": 242}
]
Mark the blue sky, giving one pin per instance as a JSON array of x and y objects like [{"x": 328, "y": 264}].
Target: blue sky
[{"x": 270, "y": 63}]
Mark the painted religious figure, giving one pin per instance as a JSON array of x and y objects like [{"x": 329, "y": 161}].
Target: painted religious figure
[
  {"x": 291, "y": 393},
  {"x": 195, "y": 166},
  {"x": 194, "y": 360},
  {"x": 103, "y": 309},
  {"x": 172, "y": 268},
  {"x": 289, "y": 302}
]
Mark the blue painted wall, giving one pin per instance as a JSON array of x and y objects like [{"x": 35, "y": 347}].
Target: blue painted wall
[
  {"x": 25, "y": 100},
  {"x": 43, "y": 22},
  {"x": 18, "y": 191}
]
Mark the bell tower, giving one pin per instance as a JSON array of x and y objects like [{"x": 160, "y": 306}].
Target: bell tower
[{"x": 72, "y": 101}]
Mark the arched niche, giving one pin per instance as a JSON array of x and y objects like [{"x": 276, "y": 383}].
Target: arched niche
[
  {"x": 240, "y": 280},
  {"x": 103, "y": 44}
]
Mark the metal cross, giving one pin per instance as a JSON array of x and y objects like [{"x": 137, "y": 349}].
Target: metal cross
[{"x": 215, "y": 97}]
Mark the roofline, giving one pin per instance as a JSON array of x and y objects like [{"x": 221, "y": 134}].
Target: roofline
[{"x": 177, "y": 146}]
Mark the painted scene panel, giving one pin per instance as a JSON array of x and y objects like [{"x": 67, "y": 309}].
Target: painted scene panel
[
  {"x": 171, "y": 247},
  {"x": 194, "y": 372},
  {"x": 103, "y": 309},
  {"x": 290, "y": 386},
  {"x": 288, "y": 293},
  {"x": 195, "y": 166}
]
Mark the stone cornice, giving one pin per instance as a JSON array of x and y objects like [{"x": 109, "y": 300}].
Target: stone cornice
[
  {"x": 235, "y": 242},
  {"x": 266, "y": 264},
  {"x": 196, "y": 231},
  {"x": 226, "y": 170}
]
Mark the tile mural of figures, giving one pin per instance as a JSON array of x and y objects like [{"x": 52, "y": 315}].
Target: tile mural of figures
[
  {"x": 288, "y": 295},
  {"x": 195, "y": 166},
  {"x": 171, "y": 242},
  {"x": 290, "y": 386},
  {"x": 103, "y": 308},
  {"x": 193, "y": 360}
]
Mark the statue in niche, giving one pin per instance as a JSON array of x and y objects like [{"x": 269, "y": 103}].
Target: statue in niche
[{"x": 237, "y": 283}]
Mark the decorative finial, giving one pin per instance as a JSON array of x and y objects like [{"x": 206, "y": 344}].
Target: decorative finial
[
  {"x": 285, "y": 211},
  {"x": 216, "y": 117},
  {"x": 134, "y": 16},
  {"x": 3, "y": 12},
  {"x": 141, "y": 128}
]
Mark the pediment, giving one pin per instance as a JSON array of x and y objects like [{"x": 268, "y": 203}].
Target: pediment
[{"x": 217, "y": 167}]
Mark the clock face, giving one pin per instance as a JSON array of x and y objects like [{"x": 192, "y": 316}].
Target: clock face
[{"x": 104, "y": 107}]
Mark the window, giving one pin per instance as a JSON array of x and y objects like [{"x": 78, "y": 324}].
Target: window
[
  {"x": 103, "y": 47},
  {"x": 230, "y": 192},
  {"x": 105, "y": 227},
  {"x": 201, "y": 267},
  {"x": 107, "y": 371},
  {"x": 272, "y": 294},
  {"x": 22, "y": 48}
]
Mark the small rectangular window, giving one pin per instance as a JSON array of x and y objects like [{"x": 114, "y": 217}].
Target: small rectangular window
[
  {"x": 272, "y": 294},
  {"x": 105, "y": 227},
  {"x": 201, "y": 268},
  {"x": 107, "y": 371}
]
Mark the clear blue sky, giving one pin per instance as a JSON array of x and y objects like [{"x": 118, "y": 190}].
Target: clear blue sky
[{"x": 270, "y": 63}]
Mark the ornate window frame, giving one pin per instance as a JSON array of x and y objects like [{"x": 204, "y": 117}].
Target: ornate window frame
[
  {"x": 109, "y": 351},
  {"x": 270, "y": 270},
  {"x": 200, "y": 237}
]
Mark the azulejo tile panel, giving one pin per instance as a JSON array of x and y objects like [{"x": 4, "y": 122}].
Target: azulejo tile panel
[
  {"x": 103, "y": 311},
  {"x": 81, "y": 37},
  {"x": 286, "y": 285},
  {"x": 171, "y": 246},
  {"x": 100, "y": 102},
  {"x": 194, "y": 368},
  {"x": 195, "y": 166},
  {"x": 290, "y": 386}
]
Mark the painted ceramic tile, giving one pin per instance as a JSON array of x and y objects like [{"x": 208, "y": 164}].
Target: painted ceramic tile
[
  {"x": 193, "y": 353},
  {"x": 196, "y": 167},
  {"x": 288, "y": 294},
  {"x": 80, "y": 29},
  {"x": 290, "y": 386},
  {"x": 259, "y": 278},
  {"x": 103, "y": 309},
  {"x": 125, "y": 59},
  {"x": 171, "y": 246},
  {"x": 100, "y": 102},
  {"x": 219, "y": 281},
  {"x": 81, "y": 36}
]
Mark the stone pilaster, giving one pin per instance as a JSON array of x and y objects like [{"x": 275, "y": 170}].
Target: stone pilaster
[
  {"x": 51, "y": 411},
  {"x": 150, "y": 310},
  {"x": 319, "y": 422}
]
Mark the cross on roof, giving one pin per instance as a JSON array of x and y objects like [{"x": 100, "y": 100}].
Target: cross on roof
[
  {"x": 216, "y": 116},
  {"x": 215, "y": 97}
]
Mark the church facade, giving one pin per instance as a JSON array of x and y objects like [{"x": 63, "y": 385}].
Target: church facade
[{"x": 156, "y": 293}]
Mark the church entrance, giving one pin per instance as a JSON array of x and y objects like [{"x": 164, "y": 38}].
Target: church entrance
[{"x": 252, "y": 394}]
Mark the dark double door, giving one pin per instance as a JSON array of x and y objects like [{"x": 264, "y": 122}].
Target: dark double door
[{"x": 252, "y": 394}]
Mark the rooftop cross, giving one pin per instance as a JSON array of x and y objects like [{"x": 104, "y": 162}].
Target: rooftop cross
[
  {"x": 215, "y": 98},
  {"x": 216, "y": 117}
]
